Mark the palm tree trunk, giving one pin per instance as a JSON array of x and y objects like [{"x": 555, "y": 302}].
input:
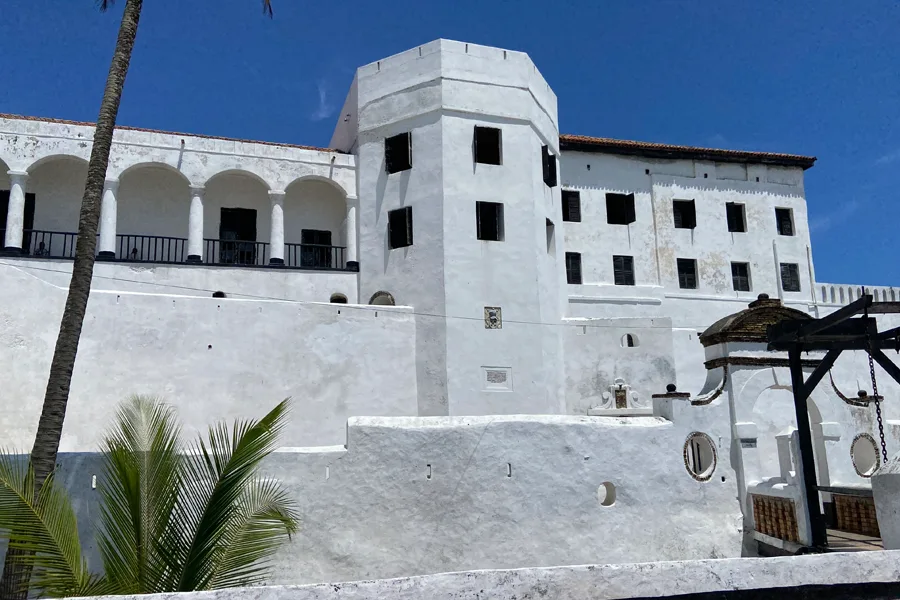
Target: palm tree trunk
[{"x": 13, "y": 585}]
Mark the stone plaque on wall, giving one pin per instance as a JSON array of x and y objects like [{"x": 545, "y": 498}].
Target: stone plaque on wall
[{"x": 493, "y": 318}]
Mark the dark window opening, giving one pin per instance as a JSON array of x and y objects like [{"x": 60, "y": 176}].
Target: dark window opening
[
  {"x": 237, "y": 235},
  {"x": 490, "y": 221},
  {"x": 685, "y": 214},
  {"x": 338, "y": 299},
  {"x": 219, "y": 295},
  {"x": 785, "y": 220},
  {"x": 623, "y": 270},
  {"x": 740, "y": 276},
  {"x": 400, "y": 227},
  {"x": 620, "y": 209},
  {"x": 488, "y": 145},
  {"x": 571, "y": 206},
  {"x": 549, "y": 165},
  {"x": 629, "y": 340},
  {"x": 687, "y": 273},
  {"x": 398, "y": 153},
  {"x": 551, "y": 237},
  {"x": 736, "y": 219},
  {"x": 315, "y": 249},
  {"x": 790, "y": 277},
  {"x": 573, "y": 268}
]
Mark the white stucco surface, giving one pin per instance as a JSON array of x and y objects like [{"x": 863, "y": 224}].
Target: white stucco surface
[
  {"x": 593, "y": 581},
  {"x": 212, "y": 358}
]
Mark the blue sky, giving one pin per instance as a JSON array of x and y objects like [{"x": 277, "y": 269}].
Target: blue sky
[{"x": 813, "y": 77}]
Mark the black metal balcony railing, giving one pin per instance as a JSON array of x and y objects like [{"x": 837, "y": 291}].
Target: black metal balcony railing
[
  {"x": 314, "y": 256},
  {"x": 151, "y": 248},
  {"x": 49, "y": 244},
  {"x": 39, "y": 243},
  {"x": 236, "y": 252}
]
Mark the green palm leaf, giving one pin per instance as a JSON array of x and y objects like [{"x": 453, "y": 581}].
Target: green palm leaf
[
  {"x": 142, "y": 477},
  {"x": 45, "y": 528},
  {"x": 265, "y": 519},
  {"x": 218, "y": 499}
]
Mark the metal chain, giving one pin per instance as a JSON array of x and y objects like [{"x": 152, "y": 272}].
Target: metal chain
[
  {"x": 875, "y": 395},
  {"x": 878, "y": 409}
]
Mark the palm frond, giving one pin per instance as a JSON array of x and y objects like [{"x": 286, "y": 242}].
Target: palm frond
[
  {"x": 265, "y": 519},
  {"x": 45, "y": 528},
  {"x": 267, "y": 7},
  {"x": 142, "y": 477},
  {"x": 105, "y": 4},
  {"x": 216, "y": 481}
]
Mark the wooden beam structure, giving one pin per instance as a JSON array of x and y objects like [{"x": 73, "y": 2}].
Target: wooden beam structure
[{"x": 834, "y": 333}]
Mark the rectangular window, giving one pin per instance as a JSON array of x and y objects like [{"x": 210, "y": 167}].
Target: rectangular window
[
  {"x": 573, "y": 268},
  {"x": 551, "y": 236},
  {"x": 735, "y": 214},
  {"x": 790, "y": 277},
  {"x": 571, "y": 206},
  {"x": 620, "y": 209},
  {"x": 740, "y": 276},
  {"x": 687, "y": 273},
  {"x": 623, "y": 270},
  {"x": 400, "y": 227},
  {"x": 784, "y": 217},
  {"x": 548, "y": 161},
  {"x": 398, "y": 153},
  {"x": 490, "y": 221},
  {"x": 315, "y": 248},
  {"x": 685, "y": 214},
  {"x": 488, "y": 145}
]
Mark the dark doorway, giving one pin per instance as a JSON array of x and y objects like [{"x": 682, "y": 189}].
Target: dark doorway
[
  {"x": 29, "y": 219},
  {"x": 237, "y": 235},
  {"x": 315, "y": 249}
]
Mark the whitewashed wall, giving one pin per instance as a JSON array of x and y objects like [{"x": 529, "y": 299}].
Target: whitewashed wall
[
  {"x": 152, "y": 201},
  {"x": 596, "y": 355},
  {"x": 212, "y": 358},
  {"x": 860, "y": 575},
  {"x": 370, "y": 510}
]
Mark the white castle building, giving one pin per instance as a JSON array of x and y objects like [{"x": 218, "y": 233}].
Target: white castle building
[{"x": 472, "y": 313}]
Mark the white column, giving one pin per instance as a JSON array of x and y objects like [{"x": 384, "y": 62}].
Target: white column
[
  {"x": 276, "y": 234},
  {"x": 195, "y": 226},
  {"x": 15, "y": 215},
  {"x": 108, "y": 210},
  {"x": 350, "y": 234}
]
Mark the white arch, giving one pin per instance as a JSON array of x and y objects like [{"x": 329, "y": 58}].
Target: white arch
[
  {"x": 238, "y": 171},
  {"x": 153, "y": 165},
  {"x": 334, "y": 184},
  {"x": 52, "y": 158}
]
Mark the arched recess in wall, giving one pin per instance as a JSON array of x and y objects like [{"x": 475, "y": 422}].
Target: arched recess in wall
[
  {"x": 57, "y": 183},
  {"x": 153, "y": 204},
  {"x": 338, "y": 299},
  {"x": 315, "y": 215},
  {"x": 630, "y": 340},
  {"x": 700, "y": 457},
  {"x": 382, "y": 298},
  {"x": 237, "y": 218}
]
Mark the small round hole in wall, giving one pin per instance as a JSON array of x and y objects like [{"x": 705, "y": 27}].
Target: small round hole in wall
[
  {"x": 864, "y": 454},
  {"x": 700, "y": 456},
  {"x": 219, "y": 295},
  {"x": 606, "y": 494},
  {"x": 630, "y": 340},
  {"x": 382, "y": 298},
  {"x": 338, "y": 299}
]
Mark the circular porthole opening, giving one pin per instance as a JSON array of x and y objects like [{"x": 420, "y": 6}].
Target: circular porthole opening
[
  {"x": 700, "y": 456},
  {"x": 630, "y": 340},
  {"x": 338, "y": 299},
  {"x": 606, "y": 494},
  {"x": 864, "y": 454}
]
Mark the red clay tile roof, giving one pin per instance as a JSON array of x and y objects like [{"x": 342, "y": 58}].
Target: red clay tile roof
[
  {"x": 208, "y": 137},
  {"x": 583, "y": 143}
]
